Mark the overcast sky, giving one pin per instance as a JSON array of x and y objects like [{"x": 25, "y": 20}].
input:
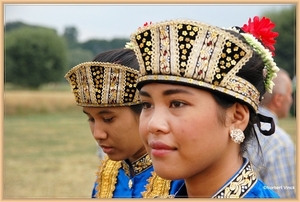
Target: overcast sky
[{"x": 107, "y": 21}]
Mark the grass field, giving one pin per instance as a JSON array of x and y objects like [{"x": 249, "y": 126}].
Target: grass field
[
  {"x": 49, "y": 155},
  {"x": 290, "y": 126},
  {"x": 49, "y": 151}
]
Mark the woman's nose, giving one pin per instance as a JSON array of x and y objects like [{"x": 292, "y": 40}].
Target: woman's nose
[
  {"x": 158, "y": 123},
  {"x": 98, "y": 131}
]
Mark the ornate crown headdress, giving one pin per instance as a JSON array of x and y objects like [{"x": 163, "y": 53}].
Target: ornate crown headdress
[
  {"x": 194, "y": 53},
  {"x": 102, "y": 84}
]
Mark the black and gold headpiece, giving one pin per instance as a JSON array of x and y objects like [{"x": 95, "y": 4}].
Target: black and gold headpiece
[
  {"x": 102, "y": 84},
  {"x": 194, "y": 53}
]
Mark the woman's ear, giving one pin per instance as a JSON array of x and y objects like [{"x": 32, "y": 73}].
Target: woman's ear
[{"x": 239, "y": 116}]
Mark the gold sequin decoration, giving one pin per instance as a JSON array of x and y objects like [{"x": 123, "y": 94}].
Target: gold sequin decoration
[
  {"x": 101, "y": 84},
  {"x": 195, "y": 53}
]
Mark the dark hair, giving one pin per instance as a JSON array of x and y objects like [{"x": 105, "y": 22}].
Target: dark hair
[
  {"x": 124, "y": 57},
  {"x": 121, "y": 56},
  {"x": 252, "y": 71}
]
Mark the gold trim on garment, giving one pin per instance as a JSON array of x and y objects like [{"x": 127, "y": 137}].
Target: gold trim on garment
[
  {"x": 108, "y": 173},
  {"x": 240, "y": 184},
  {"x": 157, "y": 187},
  {"x": 138, "y": 166},
  {"x": 107, "y": 178}
]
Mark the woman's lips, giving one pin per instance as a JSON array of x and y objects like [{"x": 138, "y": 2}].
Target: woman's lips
[
  {"x": 106, "y": 149},
  {"x": 160, "y": 149}
]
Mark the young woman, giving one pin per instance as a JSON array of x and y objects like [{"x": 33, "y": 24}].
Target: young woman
[
  {"x": 200, "y": 87},
  {"x": 106, "y": 90}
]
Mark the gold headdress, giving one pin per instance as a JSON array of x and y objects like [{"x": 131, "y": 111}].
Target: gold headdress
[
  {"x": 194, "y": 53},
  {"x": 102, "y": 84}
]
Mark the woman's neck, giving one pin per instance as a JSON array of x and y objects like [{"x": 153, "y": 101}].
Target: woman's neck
[
  {"x": 206, "y": 183},
  {"x": 141, "y": 152}
]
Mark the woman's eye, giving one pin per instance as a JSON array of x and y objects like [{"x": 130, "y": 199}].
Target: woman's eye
[
  {"x": 146, "y": 105},
  {"x": 108, "y": 120},
  {"x": 90, "y": 119},
  {"x": 177, "y": 104}
]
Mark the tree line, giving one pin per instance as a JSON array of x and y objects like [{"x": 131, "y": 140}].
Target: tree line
[{"x": 36, "y": 55}]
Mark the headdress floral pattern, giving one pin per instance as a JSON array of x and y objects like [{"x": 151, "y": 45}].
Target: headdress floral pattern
[{"x": 129, "y": 45}]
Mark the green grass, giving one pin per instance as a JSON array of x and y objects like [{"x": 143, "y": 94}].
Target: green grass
[
  {"x": 49, "y": 151},
  {"x": 290, "y": 126},
  {"x": 48, "y": 156}
]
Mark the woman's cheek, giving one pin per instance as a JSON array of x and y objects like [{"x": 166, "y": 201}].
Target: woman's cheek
[{"x": 143, "y": 128}]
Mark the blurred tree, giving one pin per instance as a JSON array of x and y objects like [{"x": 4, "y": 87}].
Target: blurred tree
[
  {"x": 95, "y": 45},
  {"x": 34, "y": 56},
  {"x": 285, "y": 53},
  {"x": 16, "y": 25},
  {"x": 98, "y": 46},
  {"x": 71, "y": 35},
  {"x": 79, "y": 55}
]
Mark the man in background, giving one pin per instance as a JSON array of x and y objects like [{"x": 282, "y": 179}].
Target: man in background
[{"x": 276, "y": 166}]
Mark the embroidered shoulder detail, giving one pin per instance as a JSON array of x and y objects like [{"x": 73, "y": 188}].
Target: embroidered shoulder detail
[
  {"x": 239, "y": 186},
  {"x": 139, "y": 165},
  {"x": 107, "y": 178},
  {"x": 157, "y": 187}
]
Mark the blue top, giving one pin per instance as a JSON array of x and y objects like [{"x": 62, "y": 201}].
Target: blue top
[
  {"x": 116, "y": 181},
  {"x": 243, "y": 184}
]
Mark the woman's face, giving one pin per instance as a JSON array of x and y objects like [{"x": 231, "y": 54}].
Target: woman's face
[
  {"x": 116, "y": 131},
  {"x": 181, "y": 129}
]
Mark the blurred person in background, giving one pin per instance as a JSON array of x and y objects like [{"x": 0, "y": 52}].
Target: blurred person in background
[
  {"x": 106, "y": 90},
  {"x": 276, "y": 163}
]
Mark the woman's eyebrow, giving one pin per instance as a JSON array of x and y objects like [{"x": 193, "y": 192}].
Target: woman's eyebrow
[
  {"x": 144, "y": 93},
  {"x": 85, "y": 112},
  {"x": 176, "y": 91},
  {"x": 166, "y": 92},
  {"x": 105, "y": 111}
]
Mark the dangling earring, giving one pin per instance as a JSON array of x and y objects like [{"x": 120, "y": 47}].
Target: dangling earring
[{"x": 237, "y": 135}]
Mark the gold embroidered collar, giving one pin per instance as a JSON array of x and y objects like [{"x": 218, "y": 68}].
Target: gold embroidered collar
[
  {"x": 237, "y": 187},
  {"x": 137, "y": 166},
  {"x": 240, "y": 184},
  {"x": 107, "y": 179}
]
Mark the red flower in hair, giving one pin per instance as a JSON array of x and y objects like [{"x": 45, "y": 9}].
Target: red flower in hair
[
  {"x": 261, "y": 29},
  {"x": 146, "y": 24}
]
